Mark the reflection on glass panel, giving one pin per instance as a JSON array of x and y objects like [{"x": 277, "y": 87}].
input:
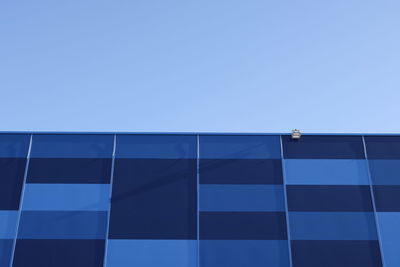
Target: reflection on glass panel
[{"x": 242, "y": 218}]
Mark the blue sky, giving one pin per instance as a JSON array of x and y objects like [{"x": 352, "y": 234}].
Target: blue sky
[{"x": 203, "y": 66}]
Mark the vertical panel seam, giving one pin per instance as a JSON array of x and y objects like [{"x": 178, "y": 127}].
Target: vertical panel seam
[
  {"x": 28, "y": 156},
  {"x": 109, "y": 199},
  {"x": 373, "y": 201},
  {"x": 286, "y": 203},
  {"x": 198, "y": 199}
]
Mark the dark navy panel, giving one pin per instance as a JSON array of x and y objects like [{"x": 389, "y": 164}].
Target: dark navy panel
[
  {"x": 323, "y": 147},
  {"x": 240, "y": 171},
  {"x": 243, "y": 226},
  {"x": 154, "y": 199},
  {"x": 336, "y": 253},
  {"x": 329, "y": 198},
  {"x": 240, "y": 147},
  {"x": 157, "y": 146},
  {"x": 11, "y": 178},
  {"x": 383, "y": 147},
  {"x": 14, "y": 145},
  {"x": 6, "y": 246},
  {"x": 387, "y": 197},
  {"x": 69, "y": 170},
  {"x": 72, "y": 146},
  {"x": 59, "y": 253}
]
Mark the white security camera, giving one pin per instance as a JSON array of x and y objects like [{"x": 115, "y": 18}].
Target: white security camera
[{"x": 296, "y": 134}]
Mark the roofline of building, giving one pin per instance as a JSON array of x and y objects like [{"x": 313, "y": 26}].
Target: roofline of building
[{"x": 192, "y": 133}]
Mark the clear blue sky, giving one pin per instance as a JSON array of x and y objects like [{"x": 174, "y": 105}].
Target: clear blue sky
[{"x": 224, "y": 66}]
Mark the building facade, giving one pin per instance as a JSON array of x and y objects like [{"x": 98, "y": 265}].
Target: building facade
[{"x": 199, "y": 200}]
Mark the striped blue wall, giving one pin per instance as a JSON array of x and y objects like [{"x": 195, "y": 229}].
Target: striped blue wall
[{"x": 187, "y": 200}]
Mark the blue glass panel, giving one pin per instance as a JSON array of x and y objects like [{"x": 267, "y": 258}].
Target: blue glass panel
[
  {"x": 59, "y": 253},
  {"x": 243, "y": 225},
  {"x": 326, "y": 171},
  {"x": 329, "y": 198},
  {"x": 11, "y": 178},
  {"x": 152, "y": 253},
  {"x": 385, "y": 172},
  {"x": 157, "y": 146},
  {"x": 239, "y": 253},
  {"x": 72, "y": 146},
  {"x": 63, "y": 225},
  {"x": 8, "y": 224},
  {"x": 239, "y": 147},
  {"x": 66, "y": 171},
  {"x": 383, "y": 147},
  {"x": 332, "y": 226},
  {"x": 323, "y": 147},
  {"x": 387, "y": 197},
  {"x": 154, "y": 199},
  {"x": 90, "y": 197},
  {"x": 14, "y": 145},
  {"x": 389, "y": 229},
  {"x": 6, "y": 246},
  {"x": 242, "y": 198},
  {"x": 336, "y": 253},
  {"x": 241, "y": 171}
]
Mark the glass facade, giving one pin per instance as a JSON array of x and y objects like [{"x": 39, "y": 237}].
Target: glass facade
[{"x": 199, "y": 200}]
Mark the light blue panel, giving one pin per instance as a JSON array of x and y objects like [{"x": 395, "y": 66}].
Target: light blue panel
[
  {"x": 14, "y": 145},
  {"x": 240, "y": 147},
  {"x": 63, "y": 225},
  {"x": 389, "y": 229},
  {"x": 332, "y": 226},
  {"x": 151, "y": 253},
  {"x": 241, "y": 198},
  {"x": 157, "y": 146},
  {"x": 6, "y": 246},
  {"x": 385, "y": 172},
  {"x": 72, "y": 146},
  {"x": 326, "y": 171},
  {"x": 90, "y": 197},
  {"x": 239, "y": 253},
  {"x": 8, "y": 223}
]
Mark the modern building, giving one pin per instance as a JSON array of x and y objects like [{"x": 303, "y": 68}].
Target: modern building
[{"x": 199, "y": 200}]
